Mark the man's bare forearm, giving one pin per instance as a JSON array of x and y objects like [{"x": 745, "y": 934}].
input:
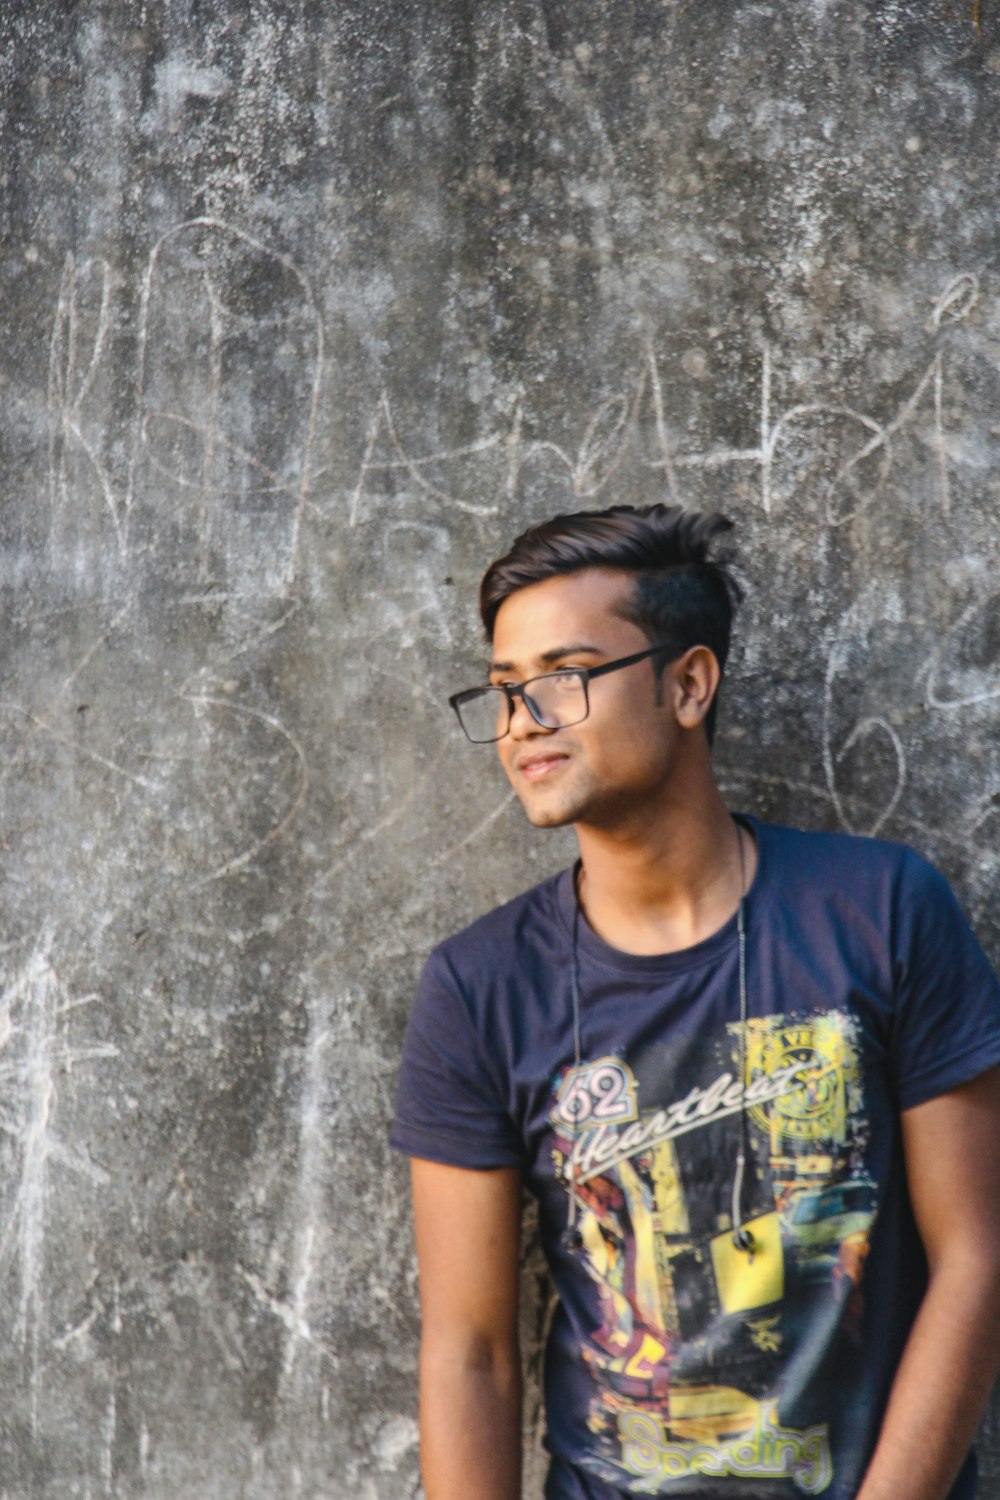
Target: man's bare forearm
[
  {"x": 942, "y": 1386},
  {"x": 470, "y": 1429}
]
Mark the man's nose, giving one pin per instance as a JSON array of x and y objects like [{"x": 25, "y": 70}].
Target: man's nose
[{"x": 522, "y": 722}]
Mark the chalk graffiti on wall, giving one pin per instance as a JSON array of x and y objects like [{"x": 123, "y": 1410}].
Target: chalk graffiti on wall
[
  {"x": 204, "y": 419},
  {"x": 226, "y": 282},
  {"x": 206, "y": 446},
  {"x": 226, "y": 416},
  {"x": 38, "y": 1053},
  {"x": 620, "y": 420}
]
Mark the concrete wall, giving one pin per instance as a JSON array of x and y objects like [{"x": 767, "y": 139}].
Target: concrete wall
[{"x": 308, "y": 309}]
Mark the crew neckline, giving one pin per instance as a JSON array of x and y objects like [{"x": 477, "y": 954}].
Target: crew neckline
[{"x": 595, "y": 949}]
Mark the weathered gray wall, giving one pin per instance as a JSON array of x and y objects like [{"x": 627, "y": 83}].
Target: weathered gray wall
[{"x": 307, "y": 309}]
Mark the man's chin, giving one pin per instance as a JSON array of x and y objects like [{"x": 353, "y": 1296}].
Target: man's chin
[{"x": 542, "y": 813}]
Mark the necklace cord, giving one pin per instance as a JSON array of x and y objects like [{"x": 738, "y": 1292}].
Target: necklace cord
[
  {"x": 742, "y": 1238},
  {"x": 571, "y": 1233}
]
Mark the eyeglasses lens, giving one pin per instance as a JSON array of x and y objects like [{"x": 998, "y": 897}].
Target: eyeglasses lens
[
  {"x": 484, "y": 715},
  {"x": 554, "y": 700},
  {"x": 557, "y": 699}
]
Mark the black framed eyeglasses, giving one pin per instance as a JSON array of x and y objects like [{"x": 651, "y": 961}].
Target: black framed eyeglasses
[{"x": 555, "y": 700}]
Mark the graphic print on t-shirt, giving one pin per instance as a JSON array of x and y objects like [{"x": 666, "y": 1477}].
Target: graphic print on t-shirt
[{"x": 708, "y": 1360}]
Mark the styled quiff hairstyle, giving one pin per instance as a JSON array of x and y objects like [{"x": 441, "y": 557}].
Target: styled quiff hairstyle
[{"x": 682, "y": 597}]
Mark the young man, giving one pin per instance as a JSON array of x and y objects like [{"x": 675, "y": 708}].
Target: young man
[{"x": 750, "y": 1074}]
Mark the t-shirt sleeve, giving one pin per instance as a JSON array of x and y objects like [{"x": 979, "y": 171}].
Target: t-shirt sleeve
[
  {"x": 946, "y": 1027},
  {"x": 448, "y": 1103}
]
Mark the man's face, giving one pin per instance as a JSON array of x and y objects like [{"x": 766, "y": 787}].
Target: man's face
[{"x": 619, "y": 758}]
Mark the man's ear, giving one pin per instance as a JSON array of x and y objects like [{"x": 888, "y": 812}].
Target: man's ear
[{"x": 696, "y": 676}]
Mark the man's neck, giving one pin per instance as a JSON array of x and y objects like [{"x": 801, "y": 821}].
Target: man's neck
[{"x": 670, "y": 877}]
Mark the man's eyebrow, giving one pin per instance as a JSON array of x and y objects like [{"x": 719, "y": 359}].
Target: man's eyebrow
[{"x": 548, "y": 657}]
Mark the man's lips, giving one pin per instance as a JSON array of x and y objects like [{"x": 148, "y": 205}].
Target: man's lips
[{"x": 534, "y": 767}]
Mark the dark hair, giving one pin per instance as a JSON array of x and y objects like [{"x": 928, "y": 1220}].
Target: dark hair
[{"x": 682, "y": 597}]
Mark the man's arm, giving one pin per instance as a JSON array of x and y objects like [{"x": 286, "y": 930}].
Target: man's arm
[
  {"x": 952, "y": 1147},
  {"x": 468, "y": 1237}
]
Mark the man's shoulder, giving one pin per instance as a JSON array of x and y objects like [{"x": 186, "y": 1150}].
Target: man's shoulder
[
  {"x": 822, "y": 857},
  {"x": 507, "y": 933},
  {"x": 871, "y": 884}
]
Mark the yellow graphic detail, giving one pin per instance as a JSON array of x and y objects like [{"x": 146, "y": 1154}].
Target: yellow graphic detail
[
  {"x": 671, "y": 1210},
  {"x": 670, "y": 1226},
  {"x": 817, "y": 1107},
  {"x": 710, "y": 1413},
  {"x": 766, "y": 1451},
  {"x": 606, "y": 1268},
  {"x": 647, "y": 1293},
  {"x": 750, "y": 1280},
  {"x": 765, "y": 1335},
  {"x": 646, "y": 1358}
]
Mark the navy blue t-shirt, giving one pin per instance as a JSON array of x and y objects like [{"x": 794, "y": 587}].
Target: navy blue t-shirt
[{"x": 677, "y": 1364}]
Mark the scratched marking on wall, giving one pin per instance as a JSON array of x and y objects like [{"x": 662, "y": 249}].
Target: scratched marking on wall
[
  {"x": 38, "y": 1054},
  {"x": 72, "y": 371},
  {"x": 849, "y": 482},
  {"x": 202, "y": 428},
  {"x": 249, "y": 383},
  {"x": 200, "y": 435}
]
